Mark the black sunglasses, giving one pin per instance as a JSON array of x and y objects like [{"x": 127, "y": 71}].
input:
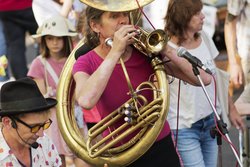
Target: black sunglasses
[{"x": 35, "y": 128}]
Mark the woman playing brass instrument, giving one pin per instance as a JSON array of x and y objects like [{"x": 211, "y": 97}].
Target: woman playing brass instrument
[{"x": 100, "y": 80}]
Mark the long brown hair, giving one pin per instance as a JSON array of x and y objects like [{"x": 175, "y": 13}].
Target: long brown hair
[
  {"x": 179, "y": 14},
  {"x": 91, "y": 37},
  {"x": 67, "y": 47}
]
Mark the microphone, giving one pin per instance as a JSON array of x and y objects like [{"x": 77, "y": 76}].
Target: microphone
[
  {"x": 33, "y": 145},
  {"x": 182, "y": 52}
]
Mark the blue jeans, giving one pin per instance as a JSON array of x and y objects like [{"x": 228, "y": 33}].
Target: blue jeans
[
  {"x": 3, "y": 50},
  {"x": 196, "y": 146},
  {"x": 2, "y": 40},
  {"x": 16, "y": 23}
]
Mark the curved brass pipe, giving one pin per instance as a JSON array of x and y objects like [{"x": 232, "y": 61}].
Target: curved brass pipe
[{"x": 148, "y": 118}]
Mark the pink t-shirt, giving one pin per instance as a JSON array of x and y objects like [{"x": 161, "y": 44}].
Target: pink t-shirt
[
  {"x": 91, "y": 116},
  {"x": 116, "y": 92},
  {"x": 37, "y": 70}
]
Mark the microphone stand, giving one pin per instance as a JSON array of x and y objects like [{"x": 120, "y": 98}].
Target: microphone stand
[{"x": 221, "y": 125}]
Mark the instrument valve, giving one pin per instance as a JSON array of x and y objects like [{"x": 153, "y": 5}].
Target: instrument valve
[
  {"x": 128, "y": 110},
  {"x": 130, "y": 120}
]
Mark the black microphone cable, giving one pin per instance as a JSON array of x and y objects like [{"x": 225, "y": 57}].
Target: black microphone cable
[{"x": 33, "y": 145}]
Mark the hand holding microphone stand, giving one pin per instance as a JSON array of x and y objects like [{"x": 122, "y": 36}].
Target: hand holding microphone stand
[{"x": 221, "y": 125}]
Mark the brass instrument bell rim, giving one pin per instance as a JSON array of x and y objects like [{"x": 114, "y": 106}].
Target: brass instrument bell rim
[
  {"x": 161, "y": 42},
  {"x": 115, "y": 5}
]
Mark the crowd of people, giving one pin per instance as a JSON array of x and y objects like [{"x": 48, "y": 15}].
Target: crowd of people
[{"x": 29, "y": 130}]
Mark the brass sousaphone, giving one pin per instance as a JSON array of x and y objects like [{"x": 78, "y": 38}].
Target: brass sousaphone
[{"x": 144, "y": 117}]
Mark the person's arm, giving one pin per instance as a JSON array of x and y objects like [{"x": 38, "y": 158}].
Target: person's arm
[
  {"x": 235, "y": 69},
  {"x": 89, "y": 88},
  {"x": 36, "y": 72},
  {"x": 41, "y": 85},
  {"x": 66, "y": 7},
  {"x": 234, "y": 115},
  {"x": 182, "y": 69}
]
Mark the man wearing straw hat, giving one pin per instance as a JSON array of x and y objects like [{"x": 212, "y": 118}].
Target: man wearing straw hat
[{"x": 24, "y": 116}]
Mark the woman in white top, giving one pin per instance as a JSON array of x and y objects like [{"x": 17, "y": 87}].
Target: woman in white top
[{"x": 196, "y": 118}]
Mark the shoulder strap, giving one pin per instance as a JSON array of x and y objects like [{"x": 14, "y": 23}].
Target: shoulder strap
[
  {"x": 171, "y": 44},
  {"x": 45, "y": 72},
  {"x": 206, "y": 40},
  {"x": 48, "y": 68}
]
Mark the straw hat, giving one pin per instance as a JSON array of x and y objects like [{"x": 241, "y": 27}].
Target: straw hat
[
  {"x": 23, "y": 96},
  {"x": 56, "y": 26}
]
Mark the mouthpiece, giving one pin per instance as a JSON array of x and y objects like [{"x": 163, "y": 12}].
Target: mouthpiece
[{"x": 109, "y": 42}]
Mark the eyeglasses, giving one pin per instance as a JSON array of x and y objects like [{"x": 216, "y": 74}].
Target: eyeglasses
[{"x": 35, "y": 128}]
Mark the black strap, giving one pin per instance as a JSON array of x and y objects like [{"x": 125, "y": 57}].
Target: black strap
[{"x": 85, "y": 48}]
